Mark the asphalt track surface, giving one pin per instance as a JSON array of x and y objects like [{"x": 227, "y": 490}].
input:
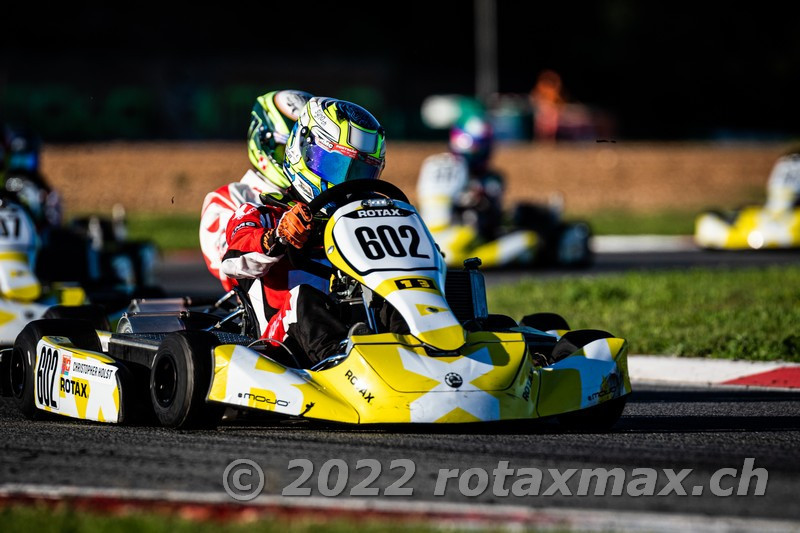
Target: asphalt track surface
[
  {"x": 702, "y": 429},
  {"x": 662, "y": 428}
]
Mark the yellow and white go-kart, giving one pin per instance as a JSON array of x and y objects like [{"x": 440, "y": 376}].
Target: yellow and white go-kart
[
  {"x": 750, "y": 228},
  {"x": 455, "y": 364},
  {"x": 776, "y": 224}
]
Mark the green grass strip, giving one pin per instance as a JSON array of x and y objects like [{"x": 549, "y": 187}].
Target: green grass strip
[
  {"x": 613, "y": 222},
  {"x": 169, "y": 232},
  {"x": 733, "y": 314}
]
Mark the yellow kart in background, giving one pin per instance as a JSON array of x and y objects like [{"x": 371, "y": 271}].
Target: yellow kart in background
[
  {"x": 751, "y": 228},
  {"x": 776, "y": 224},
  {"x": 455, "y": 364}
]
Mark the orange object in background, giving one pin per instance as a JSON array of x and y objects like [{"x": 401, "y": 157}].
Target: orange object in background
[
  {"x": 546, "y": 101},
  {"x": 556, "y": 118}
]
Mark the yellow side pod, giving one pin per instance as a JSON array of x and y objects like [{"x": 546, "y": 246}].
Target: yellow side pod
[{"x": 388, "y": 378}]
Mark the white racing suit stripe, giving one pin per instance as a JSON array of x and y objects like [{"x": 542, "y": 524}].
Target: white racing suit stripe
[{"x": 248, "y": 266}]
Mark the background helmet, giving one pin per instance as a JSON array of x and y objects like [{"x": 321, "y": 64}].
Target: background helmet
[
  {"x": 471, "y": 138},
  {"x": 3, "y": 148},
  {"x": 271, "y": 121},
  {"x": 783, "y": 186},
  {"x": 23, "y": 149},
  {"x": 333, "y": 141}
]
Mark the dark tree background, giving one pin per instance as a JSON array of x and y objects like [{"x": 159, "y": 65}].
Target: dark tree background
[{"x": 665, "y": 70}]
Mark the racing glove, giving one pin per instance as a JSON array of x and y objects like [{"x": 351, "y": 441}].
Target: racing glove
[{"x": 294, "y": 226}]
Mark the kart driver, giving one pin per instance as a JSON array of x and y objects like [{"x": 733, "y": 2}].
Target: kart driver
[
  {"x": 23, "y": 180},
  {"x": 473, "y": 194},
  {"x": 271, "y": 121},
  {"x": 480, "y": 204},
  {"x": 783, "y": 187},
  {"x": 333, "y": 141}
]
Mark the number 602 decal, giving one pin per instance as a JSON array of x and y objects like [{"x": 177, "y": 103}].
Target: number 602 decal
[{"x": 386, "y": 240}]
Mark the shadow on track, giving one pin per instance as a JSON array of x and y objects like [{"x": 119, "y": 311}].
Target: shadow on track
[{"x": 701, "y": 423}]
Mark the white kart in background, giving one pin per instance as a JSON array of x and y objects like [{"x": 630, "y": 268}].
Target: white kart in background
[
  {"x": 774, "y": 225},
  {"x": 533, "y": 234},
  {"x": 22, "y": 297}
]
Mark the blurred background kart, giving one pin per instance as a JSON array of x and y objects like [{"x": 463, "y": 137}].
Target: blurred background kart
[
  {"x": 460, "y": 197},
  {"x": 529, "y": 234},
  {"x": 44, "y": 262},
  {"x": 776, "y": 224}
]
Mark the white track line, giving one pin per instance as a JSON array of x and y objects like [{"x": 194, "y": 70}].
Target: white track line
[
  {"x": 606, "y": 244},
  {"x": 443, "y": 513}
]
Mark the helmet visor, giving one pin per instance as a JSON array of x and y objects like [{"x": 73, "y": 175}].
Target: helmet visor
[{"x": 340, "y": 163}]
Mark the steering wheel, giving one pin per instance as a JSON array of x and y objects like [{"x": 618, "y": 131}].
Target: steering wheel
[
  {"x": 352, "y": 190},
  {"x": 345, "y": 192}
]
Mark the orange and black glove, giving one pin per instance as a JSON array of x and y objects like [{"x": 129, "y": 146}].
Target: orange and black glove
[{"x": 294, "y": 226}]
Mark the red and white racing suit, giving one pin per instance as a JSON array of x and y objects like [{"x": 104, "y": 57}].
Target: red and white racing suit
[
  {"x": 218, "y": 208},
  {"x": 288, "y": 303}
]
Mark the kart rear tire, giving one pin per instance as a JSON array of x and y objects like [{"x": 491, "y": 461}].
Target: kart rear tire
[
  {"x": 600, "y": 417},
  {"x": 495, "y": 322},
  {"x": 544, "y": 321},
  {"x": 95, "y": 314},
  {"x": 572, "y": 341},
  {"x": 492, "y": 322},
  {"x": 23, "y": 357},
  {"x": 578, "y": 253},
  {"x": 180, "y": 378}
]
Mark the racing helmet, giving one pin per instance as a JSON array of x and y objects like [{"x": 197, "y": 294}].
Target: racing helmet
[
  {"x": 333, "y": 141},
  {"x": 271, "y": 121},
  {"x": 471, "y": 137},
  {"x": 23, "y": 148}
]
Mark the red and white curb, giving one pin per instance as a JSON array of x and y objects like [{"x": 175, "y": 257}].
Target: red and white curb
[
  {"x": 695, "y": 371},
  {"x": 219, "y": 506}
]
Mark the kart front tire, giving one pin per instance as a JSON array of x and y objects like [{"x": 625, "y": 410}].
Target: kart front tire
[
  {"x": 545, "y": 321},
  {"x": 496, "y": 322},
  {"x": 180, "y": 378},
  {"x": 23, "y": 356}
]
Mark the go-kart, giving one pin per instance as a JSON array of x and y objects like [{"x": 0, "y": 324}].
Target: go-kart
[
  {"x": 531, "y": 235},
  {"x": 103, "y": 256},
  {"x": 749, "y": 228},
  {"x": 455, "y": 363},
  {"x": 776, "y": 224},
  {"x": 22, "y": 295},
  {"x": 100, "y": 253},
  {"x": 67, "y": 271}
]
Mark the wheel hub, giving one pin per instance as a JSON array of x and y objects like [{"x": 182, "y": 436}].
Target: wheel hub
[
  {"x": 17, "y": 373},
  {"x": 165, "y": 379}
]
